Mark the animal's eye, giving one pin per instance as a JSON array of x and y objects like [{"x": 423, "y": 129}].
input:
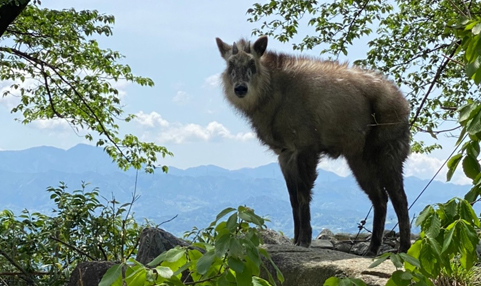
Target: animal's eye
[
  {"x": 232, "y": 73},
  {"x": 249, "y": 72},
  {"x": 252, "y": 66}
]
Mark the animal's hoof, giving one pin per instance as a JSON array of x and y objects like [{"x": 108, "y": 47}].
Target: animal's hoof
[
  {"x": 305, "y": 244},
  {"x": 370, "y": 253}
]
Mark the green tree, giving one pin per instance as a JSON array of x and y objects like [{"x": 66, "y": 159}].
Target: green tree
[
  {"x": 227, "y": 252},
  {"x": 54, "y": 64},
  {"x": 411, "y": 41},
  {"x": 43, "y": 249}
]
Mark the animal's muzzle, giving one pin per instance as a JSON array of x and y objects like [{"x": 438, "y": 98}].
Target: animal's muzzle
[{"x": 240, "y": 90}]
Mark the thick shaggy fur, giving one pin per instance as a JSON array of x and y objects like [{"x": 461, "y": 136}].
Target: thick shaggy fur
[{"x": 304, "y": 108}]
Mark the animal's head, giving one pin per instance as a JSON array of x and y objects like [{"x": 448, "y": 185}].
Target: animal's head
[{"x": 243, "y": 64}]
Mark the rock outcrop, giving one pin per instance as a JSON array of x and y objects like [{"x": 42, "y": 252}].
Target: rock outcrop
[{"x": 300, "y": 266}]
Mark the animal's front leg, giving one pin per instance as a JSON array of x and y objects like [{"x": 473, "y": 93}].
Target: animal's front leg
[{"x": 299, "y": 169}]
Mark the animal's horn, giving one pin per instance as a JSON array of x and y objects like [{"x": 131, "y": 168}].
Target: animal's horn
[{"x": 235, "y": 50}]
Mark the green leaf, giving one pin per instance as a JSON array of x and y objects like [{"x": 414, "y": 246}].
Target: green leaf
[
  {"x": 380, "y": 260},
  {"x": 331, "y": 281},
  {"x": 137, "y": 277},
  {"x": 222, "y": 242},
  {"x": 257, "y": 281},
  {"x": 473, "y": 67},
  {"x": 164, "y": 272},
  {"x": 472, "y": 149},
  {"x": 476, "y": 29},
  {"x": 472, "y": 195},
  {"x": 410, "y": 259},
  {"x": 235, "y": 248},
  {"x": 113, "y": 276},
  {"x": 223, "y": 213},
  {"x": 232, "y": 222},
  {"x": 466, "y": 112},
  {"x": 395, "y": 259},
  {"x": 471, "y": 167},
  {"x": 205, "y": 262},
  {"x": 452, "y": 164},
  {"x": 244, "y": 278},
  {"x": 236, "y": 264},
  {"x": 467, "y": 213},
  {"x": 170, "y": 255},
  {"x": 398, "y": 277},
  {"x": 448, "y": 239}
]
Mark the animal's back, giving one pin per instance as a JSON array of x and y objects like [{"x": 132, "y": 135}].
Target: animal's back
[{"x": 332, "y": 104}]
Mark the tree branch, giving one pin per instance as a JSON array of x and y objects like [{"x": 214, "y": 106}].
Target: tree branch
[
  {"x": 9, "y": 12},
  {"x": 50, "y": 100},
  {"x": 26, "y": 276},
  {"x": 82, "y": 99},
  {"x": 72, "y": 247},
  {"x": 431, "y": 86}
]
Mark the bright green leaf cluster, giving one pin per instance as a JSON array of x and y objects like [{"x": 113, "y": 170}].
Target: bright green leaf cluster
[
  {"x": 55, "y": 66},
  {"x": 80, "y": 228},
  {"x": 469, "y": 31},
  {"x": 470, "y": 121},
  {"x": 225, "y": 253},
  {"x": 446, "y": 247}
]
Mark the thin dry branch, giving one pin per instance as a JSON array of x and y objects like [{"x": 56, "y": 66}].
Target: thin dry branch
[
  {"x": 72, "y": 247},
  {"x": 431, "y": 86},
  {"x": 25, "y": 275}
]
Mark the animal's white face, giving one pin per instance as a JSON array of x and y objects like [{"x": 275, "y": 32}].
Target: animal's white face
[{"x": 242, "y": 63}]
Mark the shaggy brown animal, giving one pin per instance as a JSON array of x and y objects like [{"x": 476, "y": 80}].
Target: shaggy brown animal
[{"x": 304, "y": 108}]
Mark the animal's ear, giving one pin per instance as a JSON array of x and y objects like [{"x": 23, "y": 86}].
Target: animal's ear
[
  {"x": 260, "y": 45},
  {"x": 223, "y": 47}
]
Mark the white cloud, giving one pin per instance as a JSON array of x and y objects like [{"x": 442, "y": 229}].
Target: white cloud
[
  {"x": 121, "y": 86},
  {"x": 418, "y": 165},
  {"x": 150, "y": 120},
  {"x": 213, "y": 81},
  {"x": 51, "y": 124},
  {"x": 181, "y": 97},
  {"x": 182, "y": 133},
  {"x": 338, "y": 166},
  {"x": 424, "y": 166}
]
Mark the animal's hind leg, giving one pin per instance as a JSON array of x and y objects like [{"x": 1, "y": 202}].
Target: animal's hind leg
[
  {"x": 299, "y": 170},
  {"x": 391, "y": 174},
  {"x": 367, "y": 178}
]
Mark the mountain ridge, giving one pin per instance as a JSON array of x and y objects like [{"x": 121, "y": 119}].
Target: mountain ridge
[{"x": 195, "y": 194}]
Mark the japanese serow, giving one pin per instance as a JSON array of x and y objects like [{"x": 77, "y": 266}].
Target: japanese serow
[{"x": 304, "y": 108}]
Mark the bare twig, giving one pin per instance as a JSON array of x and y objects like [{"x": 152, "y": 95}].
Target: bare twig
[
  {"x": 50, "y": 99},
  {"x": 169, "y": 220},
  {"x": 440, "y": 131},
  {"x": 202, "y": 281},
  {"x": 457, "y": 8},
  {"x": 26, "y": 275},
  {"x": 36, "y": 273},
  {"x": 431, "y": 86},
  {"x": 72, "y": 247}
]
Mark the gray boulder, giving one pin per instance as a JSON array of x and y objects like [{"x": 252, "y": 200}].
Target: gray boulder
[
  {"x": 89, "y": 273},
  {"x": 154, "y": 241},
  {"x": 312, "y": 266}
]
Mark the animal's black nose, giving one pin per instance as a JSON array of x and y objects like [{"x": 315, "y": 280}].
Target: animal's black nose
[{"x": 240, "y": 90}]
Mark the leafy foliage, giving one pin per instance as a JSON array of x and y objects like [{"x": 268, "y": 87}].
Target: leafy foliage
[
  {"x": 445, "y": 251},
  {"x": 225, "y": 253},
  {"x": 53, "y": 63},
  {"x": 412, "y": 41},
  {"x": 45, "y": 248},
  {"x": 469, "y": 32}
]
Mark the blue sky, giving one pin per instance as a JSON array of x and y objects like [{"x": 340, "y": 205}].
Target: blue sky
[{"x": 173, "y": 42}]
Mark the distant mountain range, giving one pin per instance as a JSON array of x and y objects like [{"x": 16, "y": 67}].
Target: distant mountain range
[{"x": 197, "y": 194}]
